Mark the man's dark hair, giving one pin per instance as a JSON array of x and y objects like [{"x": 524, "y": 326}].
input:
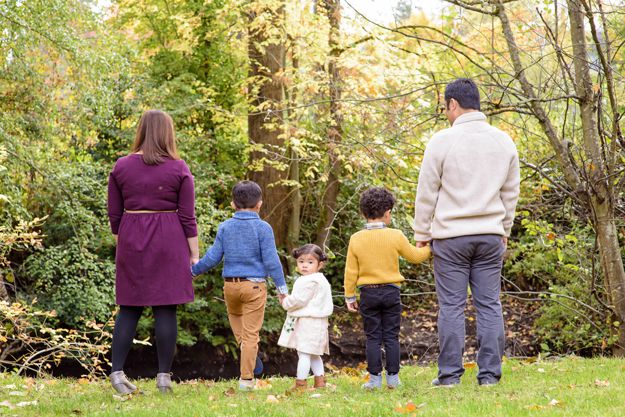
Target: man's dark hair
[
  {"x": 465, "y": 92},
  {"x": 246, "y": 194},
  {"x": 375, "y": 201}
]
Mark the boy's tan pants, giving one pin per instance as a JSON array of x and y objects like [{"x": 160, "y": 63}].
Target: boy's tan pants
[{"x": 245, "y": 302}]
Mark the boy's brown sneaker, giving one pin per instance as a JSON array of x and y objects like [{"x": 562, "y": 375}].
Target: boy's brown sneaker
[{"x": 320, "y": 381}]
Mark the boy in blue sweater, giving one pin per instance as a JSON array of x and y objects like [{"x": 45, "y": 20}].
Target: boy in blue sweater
[{"x": 248, "y": 248}]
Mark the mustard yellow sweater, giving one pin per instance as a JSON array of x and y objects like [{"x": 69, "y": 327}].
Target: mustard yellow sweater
[{"x": 373, "y": 258}]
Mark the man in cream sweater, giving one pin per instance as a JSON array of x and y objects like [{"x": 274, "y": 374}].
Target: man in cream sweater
[{"x": 467, "y": 193}]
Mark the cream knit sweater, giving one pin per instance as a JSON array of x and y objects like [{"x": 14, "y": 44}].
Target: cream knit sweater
[
  {"x": 311, "y": 297},
  {"x": 469, "y": 181}
]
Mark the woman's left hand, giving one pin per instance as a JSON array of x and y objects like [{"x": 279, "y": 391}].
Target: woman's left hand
[{"x": 194, "y": 261}]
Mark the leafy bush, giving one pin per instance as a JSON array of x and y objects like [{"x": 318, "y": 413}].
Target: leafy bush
[
  {"x": 555, "y": 262},
  {"x": 73, "y": 281}
]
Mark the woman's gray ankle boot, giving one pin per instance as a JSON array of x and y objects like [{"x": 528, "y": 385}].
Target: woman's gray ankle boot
[
  {"x": 163, "y": 383},
  {"x": 121, "y": 384}
]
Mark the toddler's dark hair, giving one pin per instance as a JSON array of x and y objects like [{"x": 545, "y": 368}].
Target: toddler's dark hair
[
  {"x": 310, "y": 249},
  {"x": 375, "y": 201},
  {"x": 246, "y": 194}
]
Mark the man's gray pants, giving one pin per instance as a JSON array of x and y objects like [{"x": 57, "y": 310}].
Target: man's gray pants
[{"x": 460, "y": 262}]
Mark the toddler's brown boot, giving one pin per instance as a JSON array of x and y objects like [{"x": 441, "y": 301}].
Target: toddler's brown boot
[
  {"x": 320, "y": 381},
  {"x": 300, "y": 385}
]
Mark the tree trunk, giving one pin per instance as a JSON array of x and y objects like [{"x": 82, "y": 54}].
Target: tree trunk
[
  {"x": 601, "y": 193},
  {"x": 266, "y": 121},
  {"x": 335, "y": 130},
  {"x": 295, "y": 221}
]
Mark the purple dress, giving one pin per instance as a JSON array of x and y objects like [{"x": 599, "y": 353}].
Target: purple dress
[{"x": 152, "y": 259}]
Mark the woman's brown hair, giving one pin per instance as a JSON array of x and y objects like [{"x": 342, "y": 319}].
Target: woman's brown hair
[{"x": 155, "y": 137}]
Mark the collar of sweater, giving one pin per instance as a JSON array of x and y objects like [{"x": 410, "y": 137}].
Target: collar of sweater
[
  {"x": 375, "y": 225},
  {"x": 313, "y": 276},
  {"x": 246, "y": 215},
  {"x": 472, "y": 116}
]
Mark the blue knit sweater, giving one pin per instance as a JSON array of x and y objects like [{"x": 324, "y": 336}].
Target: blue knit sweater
[{"x": 248, "y": 248}]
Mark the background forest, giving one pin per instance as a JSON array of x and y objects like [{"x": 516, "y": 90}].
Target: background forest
[{"x": 316, "y": 101}]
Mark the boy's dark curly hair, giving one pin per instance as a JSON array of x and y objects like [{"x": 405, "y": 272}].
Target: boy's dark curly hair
[
  {"x": 375, "y": 201},
  {"x": 310, "y": 249}
]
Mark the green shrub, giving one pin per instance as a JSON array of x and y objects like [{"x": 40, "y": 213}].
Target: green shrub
[{"x": 73, "y": 281}]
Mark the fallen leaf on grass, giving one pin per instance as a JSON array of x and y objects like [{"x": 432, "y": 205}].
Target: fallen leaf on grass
[
  {"x": 262, "y": 384},
  {"x": 317, "y": 395},
  {"x": 555, "y": 403},
  {"x": 600, "y": 383},
  {"x": 11, "y": 386},
  {"x": 233, "y": 405},
  {"x": 121, "y": 397},
  {"x": 211, "y": 398},
  {"x": 408, "y": 408},
  {"x": 230, "y": 392},
  {"x": 26, "y": 403},
  {"x": 470, "y": 365},
  {"x": 272, "y": 399},
  {"x": 7, "y": 404},
  {"x": 534, "y": 407},
  {"x": 83, "y": 381},
  {"x": 17, "y": 393},
  {"x": 541, "y": 370}
]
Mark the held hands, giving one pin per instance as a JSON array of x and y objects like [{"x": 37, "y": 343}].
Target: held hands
[
  {"x": 352, "y": 307},
  {"x": 422, "y": 244},
  {"x": 281, "y": 297}
]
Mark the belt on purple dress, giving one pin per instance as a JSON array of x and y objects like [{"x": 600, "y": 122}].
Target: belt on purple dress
[{"x": 149, "y": 211}]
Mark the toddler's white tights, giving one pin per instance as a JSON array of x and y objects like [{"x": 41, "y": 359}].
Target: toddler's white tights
[{"x": 308, "y": 362}]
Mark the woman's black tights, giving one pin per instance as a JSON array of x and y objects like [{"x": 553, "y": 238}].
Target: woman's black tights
[{"x": 166, "y": 329}]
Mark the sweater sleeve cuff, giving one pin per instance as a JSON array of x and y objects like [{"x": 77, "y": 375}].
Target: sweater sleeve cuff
[
  {"x": 351, "y": 299},
  {"x": 283, "y": 289},
  {"x": 422, "y": 238}
]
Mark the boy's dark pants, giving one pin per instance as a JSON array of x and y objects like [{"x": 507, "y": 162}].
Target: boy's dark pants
[{"x": 380, "y": 308}]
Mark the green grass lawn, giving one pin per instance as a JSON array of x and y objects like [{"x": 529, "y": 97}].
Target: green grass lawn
[{"x": 564, "y": 387}]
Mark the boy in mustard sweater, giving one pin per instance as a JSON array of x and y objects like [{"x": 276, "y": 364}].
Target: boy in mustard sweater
[{"x": 373, "y": 266}]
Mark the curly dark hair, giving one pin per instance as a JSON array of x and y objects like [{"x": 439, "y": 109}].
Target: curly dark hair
[
  {"x": 310, "y": 249},
  {"x": 375, "y": 201}
]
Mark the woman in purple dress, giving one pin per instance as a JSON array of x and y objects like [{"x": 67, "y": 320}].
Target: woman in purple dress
[{"x": 151, "y": 210}]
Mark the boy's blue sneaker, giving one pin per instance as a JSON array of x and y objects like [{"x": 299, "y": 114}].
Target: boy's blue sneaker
[
  {"x": 375, "y": 382},
  {"x": 259, "y": 367},
  {"x": 392, "y": 381}
]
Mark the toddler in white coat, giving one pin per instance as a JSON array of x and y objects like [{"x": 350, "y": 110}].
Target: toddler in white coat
[{"x": 308, "y": 308}]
